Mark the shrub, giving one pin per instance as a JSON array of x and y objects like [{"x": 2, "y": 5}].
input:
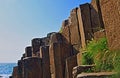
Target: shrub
[{"x": 97, "y": 53}]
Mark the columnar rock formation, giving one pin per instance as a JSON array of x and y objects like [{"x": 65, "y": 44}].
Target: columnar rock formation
[
  {"x": 55, "y": 56},
  {"x": 110, "y": 11}
]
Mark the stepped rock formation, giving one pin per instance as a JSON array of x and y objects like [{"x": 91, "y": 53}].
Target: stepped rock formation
[{"x": 55, "y": 56}]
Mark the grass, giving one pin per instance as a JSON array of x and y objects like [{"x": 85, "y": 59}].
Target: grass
[{"x": 97, "y": 53}]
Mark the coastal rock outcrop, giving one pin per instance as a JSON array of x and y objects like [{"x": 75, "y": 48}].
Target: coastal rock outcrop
[{"x": 55, "y": 56}]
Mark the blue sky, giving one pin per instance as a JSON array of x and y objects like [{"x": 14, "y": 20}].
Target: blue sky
[{"x": 23, "y": 20}]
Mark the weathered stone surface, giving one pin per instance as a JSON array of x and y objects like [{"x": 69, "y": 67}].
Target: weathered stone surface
[
  {"x": 95, "y": 20},
  {"x": 99, "y": 34},
  {"x": 110, "y": 10},
  {"x": 79, "y": 58},
  {"x": 84, "y": 23},
  {"x": 15, "y": 72},
  {"x": 55, "y": 61},
  {"x": 20, "y": 69},
  {"x": 56, "y": 37},
  {"x": 66, "y": 31},
  {"x": 44, "y": 54},
  {"x": 49, "y": 34},
  {"x": 45, "y": 41},
  {"x": 75, "y": 49},
  {"x": 96, "y": 16},
  {"x": 32, "y": 67},
  {"x": 85, "y": 13},
  {"x": 58, "y": 53},
  {"x": 65, "y": 23},
  {"x": 81, "y": 28},
  {"x": 74, "y": 29},
  {"x": 94, "y": 4},
  {"x": 70, "y": 32},
  {"x": 70, "y": 63},
  {"x": 28, "y": 51},
  {"x": 81, "y": 68},
  {"x": 96, "y": 75},
  {"x": 37, "y": 42}
]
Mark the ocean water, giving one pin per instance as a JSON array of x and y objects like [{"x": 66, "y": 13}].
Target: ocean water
[{"x": 6, "y": 69}]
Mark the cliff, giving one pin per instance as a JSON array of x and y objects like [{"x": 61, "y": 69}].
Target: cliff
[{"x": 55, "y": 56}]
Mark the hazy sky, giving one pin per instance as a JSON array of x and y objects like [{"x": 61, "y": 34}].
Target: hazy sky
[{"x": 23, "y": 20}]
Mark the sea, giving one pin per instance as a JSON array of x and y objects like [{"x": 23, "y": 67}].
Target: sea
[{"x": 6, "y": 69}]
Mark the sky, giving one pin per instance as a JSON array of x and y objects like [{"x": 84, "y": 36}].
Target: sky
[{"x": 23, "y": 20}]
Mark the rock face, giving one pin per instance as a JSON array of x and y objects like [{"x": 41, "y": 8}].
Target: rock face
[
  {"x": 20, "y": 69},
  {"x": 15, "y": 72},
  {"x": 74, "y": 30},
  {"x": 32, "y": 68},
  {"x": 84, "y": 23},
  {"x": 55, "y": 61},
  {"x": 110, "y": 10},
  {"x": 99, "y": 34},
  {"x": 70, "y": 63},
  {"x": 44, "y": 54},
  {"x": 58, "y": 54},
  {"x": 55, "y": 56},
  {"x": 28, "y": 51}
]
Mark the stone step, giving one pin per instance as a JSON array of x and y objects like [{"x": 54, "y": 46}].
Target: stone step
[
  {"x": 81, "y": 68},
  {"x": 96, "y": 75}
]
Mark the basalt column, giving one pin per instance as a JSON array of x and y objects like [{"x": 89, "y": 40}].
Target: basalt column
[
  {"x": 58, "y": 54},
  {"x": 55, "y": 61},
  {"x": 74, "y": 31},
  {"x": 110, "y": 10},
  {"x": 36, "y": 43},
  {"x": 15, "y": 72},
  {"x": 28, "y": 51},
  {"x": 70, "y": 63},
  {"x": 32, "y": 67},
  {"x": 44, "y": 54},
  {"x": 83, "y": 13}
]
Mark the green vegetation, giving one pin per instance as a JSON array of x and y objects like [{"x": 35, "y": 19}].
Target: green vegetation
[{"x": 97, "y": 53}]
